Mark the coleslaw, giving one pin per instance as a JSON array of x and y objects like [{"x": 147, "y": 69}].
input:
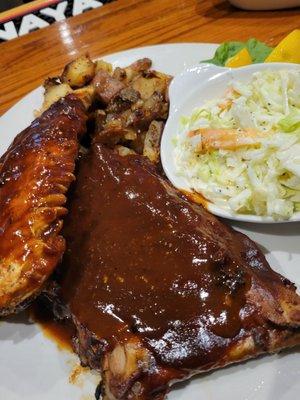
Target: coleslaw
[{"x": 242, "y": 152}]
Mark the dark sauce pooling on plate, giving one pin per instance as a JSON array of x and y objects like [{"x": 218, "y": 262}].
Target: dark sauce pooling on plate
[
  {"x": 59, "y": 331},
  {"x": 141, "y": 259}
]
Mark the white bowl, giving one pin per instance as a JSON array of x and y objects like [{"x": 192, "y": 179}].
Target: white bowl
[
  {"x": 191, "y": 89},
  {"x": 265, "y": 4}
]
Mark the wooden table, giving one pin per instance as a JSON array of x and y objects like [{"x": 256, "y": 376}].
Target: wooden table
[{"x": 26, "y": 61}]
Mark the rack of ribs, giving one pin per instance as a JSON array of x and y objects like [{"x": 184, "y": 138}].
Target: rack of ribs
[
  {"x": 158, "y": 288},
  {"x": 35, "y": 173}
]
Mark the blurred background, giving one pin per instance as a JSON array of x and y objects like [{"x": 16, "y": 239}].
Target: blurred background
[
  {"x": 20, "y": 17},
  {"x": 8, "y": 4}
]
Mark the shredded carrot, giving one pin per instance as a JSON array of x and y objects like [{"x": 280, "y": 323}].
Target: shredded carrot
[
  {"x": 225, "y": 105},
  {"x": 226, "y": 139}
]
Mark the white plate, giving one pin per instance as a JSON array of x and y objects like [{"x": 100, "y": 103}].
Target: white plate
[
  {"x": 32, "y": 368},
  {"x": 191, "y": 89},
  {"x": 265, "y": 4}
]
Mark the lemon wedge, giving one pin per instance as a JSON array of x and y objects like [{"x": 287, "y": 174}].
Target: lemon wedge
[
  {"x": 240, "y": 59},
  {"x": 288, "y": 50}
]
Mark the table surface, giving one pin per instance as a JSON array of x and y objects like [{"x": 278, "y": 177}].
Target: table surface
[{"x": 124, "y": 24}]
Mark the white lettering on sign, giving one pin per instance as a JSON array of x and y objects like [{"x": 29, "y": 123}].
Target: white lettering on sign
[
  {"x": 30, "y": 23},
  {"x": 9, "y": 31},
  {"x": 82, "y": 5},
  {"x": 58, "y": 13}
]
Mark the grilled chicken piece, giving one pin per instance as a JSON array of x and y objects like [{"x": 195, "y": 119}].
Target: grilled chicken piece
[
  {"x": 141, "y": 65},
  {"x": 123, "y": 101},
  {"x": 106, "y": 87},
  {"x": 35, "y": 173},
  {"x": 134, "y": 70},
  {"x": 158, "y": 288}
]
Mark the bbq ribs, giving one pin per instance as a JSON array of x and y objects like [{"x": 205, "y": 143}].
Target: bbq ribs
[
  {"x": 35, "y": 173},
  {"x": 158, "y": 288}
]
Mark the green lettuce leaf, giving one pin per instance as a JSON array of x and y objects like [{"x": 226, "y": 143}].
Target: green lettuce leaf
[
  {"x": 225, "y": 51},
  {"x": 258, "y": 51}
]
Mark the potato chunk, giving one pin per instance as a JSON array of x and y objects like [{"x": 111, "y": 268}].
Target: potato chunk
[
  {"x": 152, "y": 141},
  {"x": 124, "y": 151},
  {"x": 105, "y": 66},
  {"x": 147, "y": 85},
  {"x": 79, "y": 72},
  {"x": 86, "y": 94},
  {"x": 54, "y": 93}
]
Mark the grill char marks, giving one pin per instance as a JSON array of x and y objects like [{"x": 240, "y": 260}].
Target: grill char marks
[{"x": 161, "y": 289}]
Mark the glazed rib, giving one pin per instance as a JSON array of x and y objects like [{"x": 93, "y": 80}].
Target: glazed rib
[
  {"x": 158, "y": 288},
  {"x": 35, "y": 173}
]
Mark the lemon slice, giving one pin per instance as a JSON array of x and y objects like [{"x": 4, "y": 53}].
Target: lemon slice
[
  {"x": 288, "y": 50},
  {"x": 240, "y": 59}
]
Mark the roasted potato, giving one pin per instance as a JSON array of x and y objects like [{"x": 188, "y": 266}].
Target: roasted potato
[
  {"x": 152, "y": 141},
  {"x": 146, "y": 86},
  {"x": 111, "y": 131},
  {"x": 103, "y": 65},
  {"x": 138, "y": 144},
  {"x": 86, "y": 94},
  {"x": 141, "y": 65},
  {"x": 144, "y": 112},
  {"x": 130, "y": 134},
  {"x": 138, "y": 68},
  {"x": 50, "y": 82},
  {"x": 79, "y": 72},
  {"x": 54, "y": 93},
  {"x": 126, "y": 104},
  {"x": 124, "y": 151}
]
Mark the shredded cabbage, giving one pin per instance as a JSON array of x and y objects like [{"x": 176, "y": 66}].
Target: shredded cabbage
[{"x": 263, "y": 178}]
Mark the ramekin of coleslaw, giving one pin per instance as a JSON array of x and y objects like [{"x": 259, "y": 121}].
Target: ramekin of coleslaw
[{"x": 241, "y": 150}]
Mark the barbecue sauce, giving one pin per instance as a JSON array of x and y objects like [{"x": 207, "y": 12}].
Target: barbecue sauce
[
  {"x": 35, "y": 173},
  {"x": 143, "y": 260},
  {"x": 61, "y": 332}
]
